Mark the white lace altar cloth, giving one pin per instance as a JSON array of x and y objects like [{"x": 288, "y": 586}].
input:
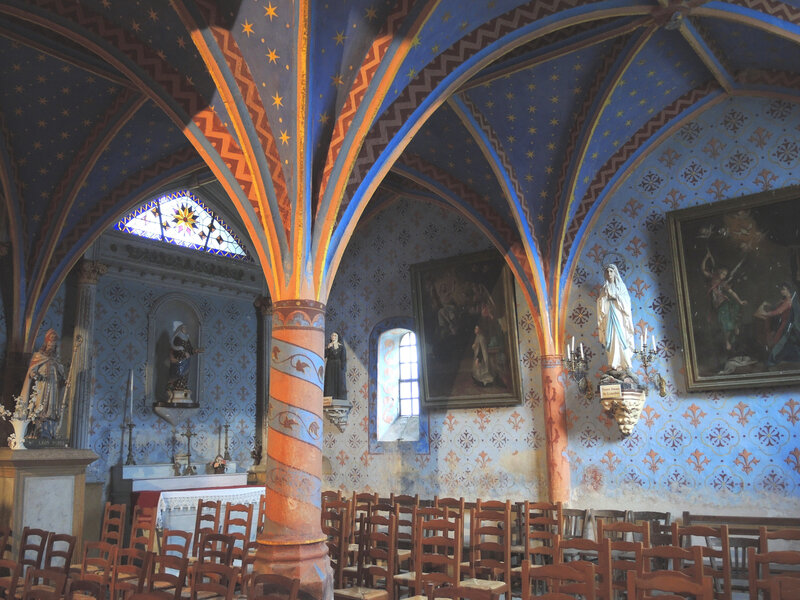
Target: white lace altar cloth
[{"x": 178, "y": 509}]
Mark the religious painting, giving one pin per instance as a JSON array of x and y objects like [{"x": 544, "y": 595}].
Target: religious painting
[
  {"x": 466, "y": 324},
  {"x": 737, "y": 268}
]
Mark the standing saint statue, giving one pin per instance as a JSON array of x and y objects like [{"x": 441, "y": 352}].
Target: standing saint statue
[
  {"x": 41, "y": 387},
  {"x": 614, "y": 320},
  {"x": 181, "y": 351},
  {"x": 334, "y": 369}
]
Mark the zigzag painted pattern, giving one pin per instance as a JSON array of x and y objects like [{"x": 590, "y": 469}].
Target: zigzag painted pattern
[
  {"x": 616, "y": 161},
  {"x": 782, "y": 79},
  {"x": 577, "y": 128},
  {"x": 363, "y": 78},
  {"x": 173, "y": 83},
  {"x": 101, "y": 211},
  {"x": 459, "y": 189},
  {"x": 57, "y": 209},
  {"x": 412, "y": 96},
  {"x": 497, "y": 146},
  {"x": 773, "y": 8}
]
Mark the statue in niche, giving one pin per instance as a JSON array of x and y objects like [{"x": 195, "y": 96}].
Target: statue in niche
[
  {"x": 41, "y": 388},
  {"x": 334, "y": 369},
  {"x": 615, "y": 323},
  {"x": 181, "y": 351}
]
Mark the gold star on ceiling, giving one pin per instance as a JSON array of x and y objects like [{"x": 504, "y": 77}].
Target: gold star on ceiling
[
  {"x": 270, "y": 11},
  {"x": 370, "y": 13},
  {"x": 339, "y": 38},
  {"x": 277, "y": 101},
  {"x": 272, "y": 55},
  {"x": 247, "y": 28},
  {"x": 284, "y": 137}
]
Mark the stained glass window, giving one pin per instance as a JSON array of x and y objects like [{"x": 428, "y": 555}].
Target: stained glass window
[{"x": 180, "y": 218}]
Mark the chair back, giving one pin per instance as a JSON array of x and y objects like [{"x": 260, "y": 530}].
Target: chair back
[
  {"x": 763, "y": 566},
  {"x": 212, "y": 579},
  {"x": 10, "y": 581},
  {"x": 608, "y": 515},
  {"x": 626, "y": 555},
  {"x": 784, "y": 588},
  {"x": 787, "y": 536},
  {"x": 261, "y": 520},
  {"x": 556, "y": 579},
  {"x": 99, "y": 559},
  {"x": 113, "y": 530},
  {"x": 44, "y": 584},
  {"x": 271, "y": 586},
  {"x": 206, "y": 521},
  {"x": 658, "y": 522},
  {"x": 490, "y": 541},
  {"x": 238, "y": 525},
  {"x": 597, "y": 554},
  {"x": 543, "y": 522},
  {"x": 576, "y": 523},
  {"x": 335, "y": 526},
  {"x": 437, "y": 556},
  {"x": 58, "y": 552},
  {"x": 714, "y": 543},
  {"x": 673, "y": 558},
  {"x": 216, "y": 548},
  {"x": 131, "y": 570},
  {"x": 167, "y": 575},
  {"x": 143, "y": 528},
  {"x": 175, "y": 542},
  {"x": 81, "y": 589},
  {"x": 31, "y": 547},
  {"x": 654, "y": 586},
  {"x": 378, "y": 553}
]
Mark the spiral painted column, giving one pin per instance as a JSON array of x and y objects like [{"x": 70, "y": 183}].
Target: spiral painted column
[
  {"x": 292, "y": 542},
  {"x": 555, "y": 416}
]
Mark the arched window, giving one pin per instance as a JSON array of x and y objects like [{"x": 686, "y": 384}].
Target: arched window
[
  {"x": 180, "y": 218},
  {"x": 394, "y": 412}
]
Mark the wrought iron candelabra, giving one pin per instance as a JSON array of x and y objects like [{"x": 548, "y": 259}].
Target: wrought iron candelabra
[
  {"x": 227, "y": 455},
  {"x": 577, "y": 365},
  {"x": 189, "y": 434},
  {"x": 647, "y": 356},
  {"x": 129, "y": 460}
]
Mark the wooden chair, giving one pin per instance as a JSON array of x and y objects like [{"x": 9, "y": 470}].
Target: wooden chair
[
  {"x": 455, "y": 507},
  {"x": 376, "y": 560},
  {"x": 10, "y": 574},
  {"x": 175, "y": 542},
  {"x": 143, "y": 528},
  {"x": 626, "y": 554},
  {"x": 404, "y": 516},
  {"x": 675, "y": 585},
  {"x": 261, "y": 520},
  {"x": 716, "y": 551},
  {"x": 216, "y": 548},
  {"x": 786, "y": 535},
  {"x": 659, "y": 523},
  {"x": 608, "y": 516},
  {"x": 84, "y": 589},
  {"x": 591, "y": 552},
  {"x": 130, "y": 571},
  {"x": 784, "y": 588},
  {"x": 335, "y": 523},
  {"x": 763, "y": 566},
  {"x": 674, "y": 558},
  {"x": 490, "y": 547},
  {"x": 740, "y": 569},
  {"x": 58, "y": 553},
  {"x": 113, "y": 530},
  {"x": 31, "y": 547},
  {"x": 330, "y": 495},
  {"x": 271, "y": 586},
  {"x": 457, "y": 593},
  {"x": 212, "y": 580},
  {"x": 206, "y": 521},
  {"x": 44, "y": 584},
  {"x": 579, "y": 578},
  {"x": 99, "y": 560},
  {"x": 437, "y": 556},
  {"x": 361, "y": 503},
  {"x": 238, "y": 524},
  {"x": 543, "y": 522},
  {"x": 167, "y": 575},
  {"x": 575, "y": 523},
  {"x": 419, "y": 513}
]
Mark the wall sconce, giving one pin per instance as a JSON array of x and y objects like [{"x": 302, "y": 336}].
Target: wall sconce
[
  {"x": 577, "y": 366},
  {"x": 337, "y": 411}
]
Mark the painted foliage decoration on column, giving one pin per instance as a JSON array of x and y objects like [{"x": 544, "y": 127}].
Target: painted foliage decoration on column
[
  {"x": 556, "y": 426},
  {"x": 292, "y": 540}
]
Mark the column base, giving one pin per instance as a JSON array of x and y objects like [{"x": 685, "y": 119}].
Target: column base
[{"x": 309, "y": 562}]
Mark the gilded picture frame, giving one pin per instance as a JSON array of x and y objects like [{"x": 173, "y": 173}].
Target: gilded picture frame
[
  {"x": 465, "y": 314},
  {"x": 737, "y": 274}
]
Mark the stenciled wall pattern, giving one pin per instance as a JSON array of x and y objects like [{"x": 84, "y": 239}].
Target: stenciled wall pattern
[
  {"x": 229, "y": 378},
  {"x": 732, "y": 449},
  {"x": 473, "y": 452}
]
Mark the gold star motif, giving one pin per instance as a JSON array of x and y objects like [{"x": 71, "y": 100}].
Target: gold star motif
[
  {"x": 247, "y": 28},
  {"x": 323, "y": 118},
  {"x": 284, "y": 137},
  {"x": 272, "y": 55},
  {"x": 339, "y": 38},
  {"x": 181, "y": 42},
  {"x": 337, "y": 80},
  {"x": 270, "y": 11},
  {"x": 135, "y": 26},
  {"x": 370, "y": 13},
  {"x": 153, "y": 15},
  {"x": 277, "y": 101}
]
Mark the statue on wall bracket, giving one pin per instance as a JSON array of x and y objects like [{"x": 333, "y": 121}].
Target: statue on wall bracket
[{"x": 181, "y": 352}]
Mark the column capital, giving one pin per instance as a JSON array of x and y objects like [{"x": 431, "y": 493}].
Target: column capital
[
  {"x": 89, "y": 271},
  {"x": 263, "y": 305}
]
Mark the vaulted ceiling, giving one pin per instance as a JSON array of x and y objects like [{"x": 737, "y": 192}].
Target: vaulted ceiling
[{"x": 522, "y": 116}]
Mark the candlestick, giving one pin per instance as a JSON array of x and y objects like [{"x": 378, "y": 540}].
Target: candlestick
[
  {"x": 130, "y": 392},
  {"x": 129, "y": 460}
]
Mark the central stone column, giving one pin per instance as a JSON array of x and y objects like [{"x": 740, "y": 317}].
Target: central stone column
[
  {"x": 292, "y": 543},
  {"x": 555, "y": 416}
]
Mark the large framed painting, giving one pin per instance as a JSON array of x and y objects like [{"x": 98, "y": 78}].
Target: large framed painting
[
  {"x": 467, "y": 328},
  {"x": 737, "y": 272}
]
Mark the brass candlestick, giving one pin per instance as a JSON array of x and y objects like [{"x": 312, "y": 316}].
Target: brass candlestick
[
  {"x": 227, "y": 455},
  {"x": 189, "y": 434},
  {"x": 129, "y": 460}
]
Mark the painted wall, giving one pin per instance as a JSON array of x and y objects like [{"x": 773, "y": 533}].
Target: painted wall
[
  {"x": 720, "y": 451},
  {"x": 732, "y": 450},
  {"x": 472, "y": 452},
  {"x": 121, "y": 329}
]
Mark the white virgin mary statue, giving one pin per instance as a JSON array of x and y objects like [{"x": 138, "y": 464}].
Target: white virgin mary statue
[{"x": 614, "y": 320}]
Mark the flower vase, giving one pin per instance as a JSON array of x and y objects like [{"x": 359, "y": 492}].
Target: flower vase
[{"x": 17, "y": 441}]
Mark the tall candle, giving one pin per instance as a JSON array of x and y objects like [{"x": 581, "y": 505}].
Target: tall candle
[
  {"x": 573, "y": 343},
  {"x": 654, "y": 341},
  {"x": 568, "y": 354},
  {"x": 582, "y": 357},
  {"x": 130, "y": 391}
]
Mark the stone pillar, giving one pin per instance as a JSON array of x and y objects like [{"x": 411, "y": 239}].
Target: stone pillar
[
  {"x": 292, "y": 543},
  {"x": 263, "y": 305},
  {"x": 88, "y": 272},
  {"x": 556, "y": 427}
]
